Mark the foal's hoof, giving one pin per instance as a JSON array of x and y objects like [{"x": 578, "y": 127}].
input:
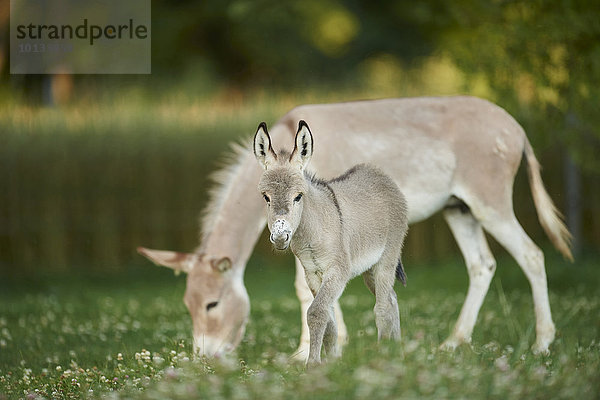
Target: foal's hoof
[{"x": 311, "y": 363}]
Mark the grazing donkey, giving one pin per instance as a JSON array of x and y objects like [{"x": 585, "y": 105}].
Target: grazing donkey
[
  {"x": 458, "y": 155},
  {"x": 351, "y": 225}
]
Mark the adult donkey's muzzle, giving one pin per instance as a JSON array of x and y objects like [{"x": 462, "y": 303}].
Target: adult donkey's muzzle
[{"x": 281, "y": 234}]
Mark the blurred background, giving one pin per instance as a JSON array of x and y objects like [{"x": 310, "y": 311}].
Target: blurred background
[{"x": 93, "y": 166}]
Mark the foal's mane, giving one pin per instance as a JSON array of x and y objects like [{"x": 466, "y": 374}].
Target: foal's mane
[
  {"x": 312, "y": 178},
  {"x": 222, "y": 183}
]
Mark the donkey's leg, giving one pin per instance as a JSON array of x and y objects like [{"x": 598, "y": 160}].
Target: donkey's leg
[
  {"x": 305, "y": 297},
  {"x": 342, "y": 331},
  {"x": 481, "y": 267},
  {"x": 330, "y": 338},
  {"x": 509, "y": 233},
  {"x": 387, "y": 316},
  {"x": 369, "y": 280},
  {"x": 386, "y": 311},
  {"x": 319, "y": 313}
]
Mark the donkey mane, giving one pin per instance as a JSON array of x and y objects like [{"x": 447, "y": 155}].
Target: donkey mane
[
  {"x": 311, "y": 176},
  {"x": 222, "y": 184}
]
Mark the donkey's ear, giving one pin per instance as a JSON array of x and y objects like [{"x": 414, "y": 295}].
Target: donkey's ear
[
  {"x": 303, "y": 148},
  {"x": 262, "y": 147},
  {"x": 179, "y": 262},
  {"x": 221, "y": 264}
]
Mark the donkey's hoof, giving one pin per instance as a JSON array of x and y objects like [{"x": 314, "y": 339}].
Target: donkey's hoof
[
  {"x": 544, "y": 339},
  {"x": 449, "y": 345},
  {"x": 541, "y": 349},
  {"x": 452, "y": 343},
  {"x": 333, "y": 354},
  {"x": 311, "y": 363},
  {"x": 300, "y": 355}
]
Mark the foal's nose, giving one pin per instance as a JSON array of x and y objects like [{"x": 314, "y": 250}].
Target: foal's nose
[
  {"x": 280, "y": 238},
  {"x": 280, "y": 232}
]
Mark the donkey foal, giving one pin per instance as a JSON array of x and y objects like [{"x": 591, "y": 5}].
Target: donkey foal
[{"x": 353, "y": 224}]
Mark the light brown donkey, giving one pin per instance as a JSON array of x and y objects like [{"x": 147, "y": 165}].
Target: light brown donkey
[
  {"x": 456, "y": 154},
  {"x": 351, "y": 225}
]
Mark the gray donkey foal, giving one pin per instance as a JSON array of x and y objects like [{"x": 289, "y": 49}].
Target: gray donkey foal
[{"x": 354, "y": 224}]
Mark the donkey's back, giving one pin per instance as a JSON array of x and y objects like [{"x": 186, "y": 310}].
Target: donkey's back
[{"x": 373, "y": 215}]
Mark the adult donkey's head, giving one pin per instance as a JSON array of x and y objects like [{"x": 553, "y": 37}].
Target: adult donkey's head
[
  {"x": 218, "y": 304},
  {"x": 283, "y": 184}
]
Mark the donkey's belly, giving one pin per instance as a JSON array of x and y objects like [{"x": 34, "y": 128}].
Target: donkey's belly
[{"x": 365, "y": 260}]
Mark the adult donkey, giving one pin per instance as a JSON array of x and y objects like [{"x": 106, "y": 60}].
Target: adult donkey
[{"x": 456, "y": 154}]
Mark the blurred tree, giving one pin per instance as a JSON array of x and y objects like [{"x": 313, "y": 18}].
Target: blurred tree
[
  {"x": 542, "y": 59},
  {"x": 283, "y": 43},
  {"x": 542, "y": 56}
]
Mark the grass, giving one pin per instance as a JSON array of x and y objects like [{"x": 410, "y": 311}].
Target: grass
[{"x": 128, "y": 336}]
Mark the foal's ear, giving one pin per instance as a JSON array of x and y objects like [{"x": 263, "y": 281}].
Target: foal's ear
[
  {"x": 303, "y": 148},
  {"x": 179, "y": 262},
  {"x": 262, "y": 147}
]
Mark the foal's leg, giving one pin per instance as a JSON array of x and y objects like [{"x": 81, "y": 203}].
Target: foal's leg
[
  {"x": 320, "y": 317},
  {"x": 481, "y": 267},
  {"x": 369, "y": 280},
  {"x": 306, "y": 297},
  {"x": 509, "y": 233},
  {"x": 331, "y": 336},
  {"x": 387, "y": 317}
]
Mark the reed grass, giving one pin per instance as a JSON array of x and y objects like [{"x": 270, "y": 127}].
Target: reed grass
[{"x": 85, "y": 184}]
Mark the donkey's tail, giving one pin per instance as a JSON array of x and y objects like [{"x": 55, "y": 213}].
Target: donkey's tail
[
  {"x": 400, "y": 275},
  {"x": 550, "y": 218}
]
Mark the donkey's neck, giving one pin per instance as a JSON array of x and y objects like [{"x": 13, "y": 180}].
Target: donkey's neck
[
  {"x": 320, "y": 209},
  {"x": 234, "y": 217}
]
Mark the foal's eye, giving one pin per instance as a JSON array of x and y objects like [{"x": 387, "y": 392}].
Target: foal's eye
[
  {"x": 211, "y": 305},
  {"x": 267, "y": 199},
  {"x": 297, "y": 199}
]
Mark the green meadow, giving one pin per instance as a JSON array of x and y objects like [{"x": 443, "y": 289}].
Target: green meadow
[{"x": 128, "y": 335}]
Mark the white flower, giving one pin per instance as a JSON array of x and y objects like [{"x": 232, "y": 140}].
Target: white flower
[
  {"x": 157, "y": 359},
  {"x": 502, "y": 363}
]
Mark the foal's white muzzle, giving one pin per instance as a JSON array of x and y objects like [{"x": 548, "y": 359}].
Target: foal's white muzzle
[{"x": 281, "y": 234}]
